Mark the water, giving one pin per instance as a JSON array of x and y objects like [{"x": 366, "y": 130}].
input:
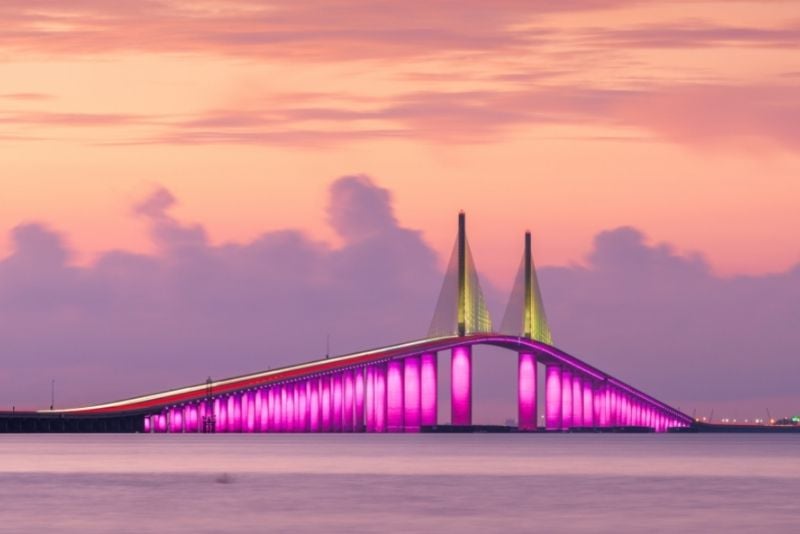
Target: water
[{"x": 400, "y": 483}]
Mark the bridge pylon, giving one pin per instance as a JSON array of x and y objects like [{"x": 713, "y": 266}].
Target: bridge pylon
[
  {"x": 525, "y": 315},
  {"x": 461, "y": 308}
]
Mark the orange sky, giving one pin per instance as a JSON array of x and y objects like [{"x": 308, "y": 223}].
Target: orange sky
[{"x": 679, "y": 118}]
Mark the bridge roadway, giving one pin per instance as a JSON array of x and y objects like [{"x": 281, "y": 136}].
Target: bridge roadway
[{"x": 391, "y": 389}]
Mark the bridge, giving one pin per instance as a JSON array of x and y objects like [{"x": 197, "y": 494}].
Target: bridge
[{"x": 395, "y": 388}]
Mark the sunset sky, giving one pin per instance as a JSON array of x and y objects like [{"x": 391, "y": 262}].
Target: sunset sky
[{"x": 679, "y": 119}]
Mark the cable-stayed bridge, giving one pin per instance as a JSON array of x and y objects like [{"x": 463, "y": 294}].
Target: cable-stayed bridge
[{"x": 396, "y": 388}]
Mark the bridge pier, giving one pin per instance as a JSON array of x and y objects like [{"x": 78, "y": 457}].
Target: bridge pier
[
  {"x": 326, "y": 410},
  {"x": 588, "y": 399},
  {"x": 577, "y": 400},
  {"x": 566, "y": 399},
  {"x": 359, "y": 416},
  {"x": 395, "y": 396},
  {"x": 461, "y": 385},
  {"x": 380, "y": 397},
  {"x": 370, "y": 398},
  {"x": 411, "y": 394},
  {"x": 526, "y": 391},
  {"x": 337, "y": 402},
  {"x": 552, "y": 397},
  {"x": 348, "y": 400},
  {"x": 429, "y": 394}
]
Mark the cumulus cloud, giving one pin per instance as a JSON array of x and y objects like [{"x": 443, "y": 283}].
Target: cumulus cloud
[
  {"x": 131, "y": 323},
  {"x": 666, "y": 323}
]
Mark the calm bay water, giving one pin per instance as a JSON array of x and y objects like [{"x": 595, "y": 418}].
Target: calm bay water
[{"x": 400, "y": 483}]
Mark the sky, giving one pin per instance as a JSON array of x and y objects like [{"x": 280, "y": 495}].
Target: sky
[{"x": 211, "y": 187}]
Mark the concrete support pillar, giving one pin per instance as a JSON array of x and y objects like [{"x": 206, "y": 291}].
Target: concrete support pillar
[
  {"x": 566, "y": 398},
  {"x": 429, "y": 393},
  {"x": 526, "y": 391},
  {"x": 301, "y": 389},
  {"x": 327, "y": 424},
  {"x": 249, "y": 414},
  {"x": 395, "y": 396},
  {"x": 380, "y": 397},
  {"x": 577, "y": 400},
  {"x": 175, "y": 420},
  {"x": 187, "y": 418},
  {"x": 348, "y": 399},
  {"x": 552, "y": 404},
  {"x": 274, "y": 401},
  {"x": 337, "y": 402},
  {"x": 461, "y": 385},
  {"x": 412, "y": 417},
  {"x": 234, "y": 414},
  {"x": 216, "y": 408},
  {"x": 588, "y": 402},
  {"x": 258, "y": 404},
  {"x": 370, "y": 398},
  {"x": 359, "y": 387},
  {"x": 314, "y": 423},
  {"x": 613, "y": 420},
  {"x": 199, "y": 410},
  {"x": 291, "y": 422}
]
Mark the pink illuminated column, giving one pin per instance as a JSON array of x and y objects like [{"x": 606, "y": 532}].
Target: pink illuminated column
[
  {"x": 187, "y": 418},
  {"x": 302, "y": 405},
  {"x": 461, "y": 385},
  {"x": 411, "y": 389},
  {"x": 314, "y": 422},
  {"x": 202, "y": 412},
  {"x": 348, "y": 400},
  {"x": 239, "y": 413},
  {"x": 526, "y": 391},
  {"x": 370, "y": 398},
  {"x": 281, "y": 408},
  {"x": 289, "y": 408},
  {"x": 429, "y": 393},
  {"x": 394, "y": 396},
  {"x": 161, "y": 423},
  {"x": 380, "y": 397},
  {"x": 336, "y": 419},
  {"x": 598, "y": 404},
  {"x": 264, "y": 416},
  {"x": 552, "y": 391},
  {"x": 250, "y": 414},
  {"x": 358, "y": 416},
  {"x": 147, "y": 426},
  {"x": 216, "y": 410},
  {"x": 615, "y": 418},
  {"x": 258, "y": 409},
  {"x": 577, "y": 400},
  {"x": 273, "y": 399},
  {"x": 566, "y": 399},
  {"x": 588, "y": 402},
  {"x": 327, "y": 424},
  {"x": 234, "y": 414},
  {"x": 298, "y": 424}
]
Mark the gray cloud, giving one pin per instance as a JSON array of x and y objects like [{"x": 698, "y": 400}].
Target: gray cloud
[
  {"x": 667, "y": 324},
  {"x": 132, "y": 323}
]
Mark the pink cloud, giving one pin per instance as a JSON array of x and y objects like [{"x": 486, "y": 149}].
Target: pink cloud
[{"x": 313, "y": 29}]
